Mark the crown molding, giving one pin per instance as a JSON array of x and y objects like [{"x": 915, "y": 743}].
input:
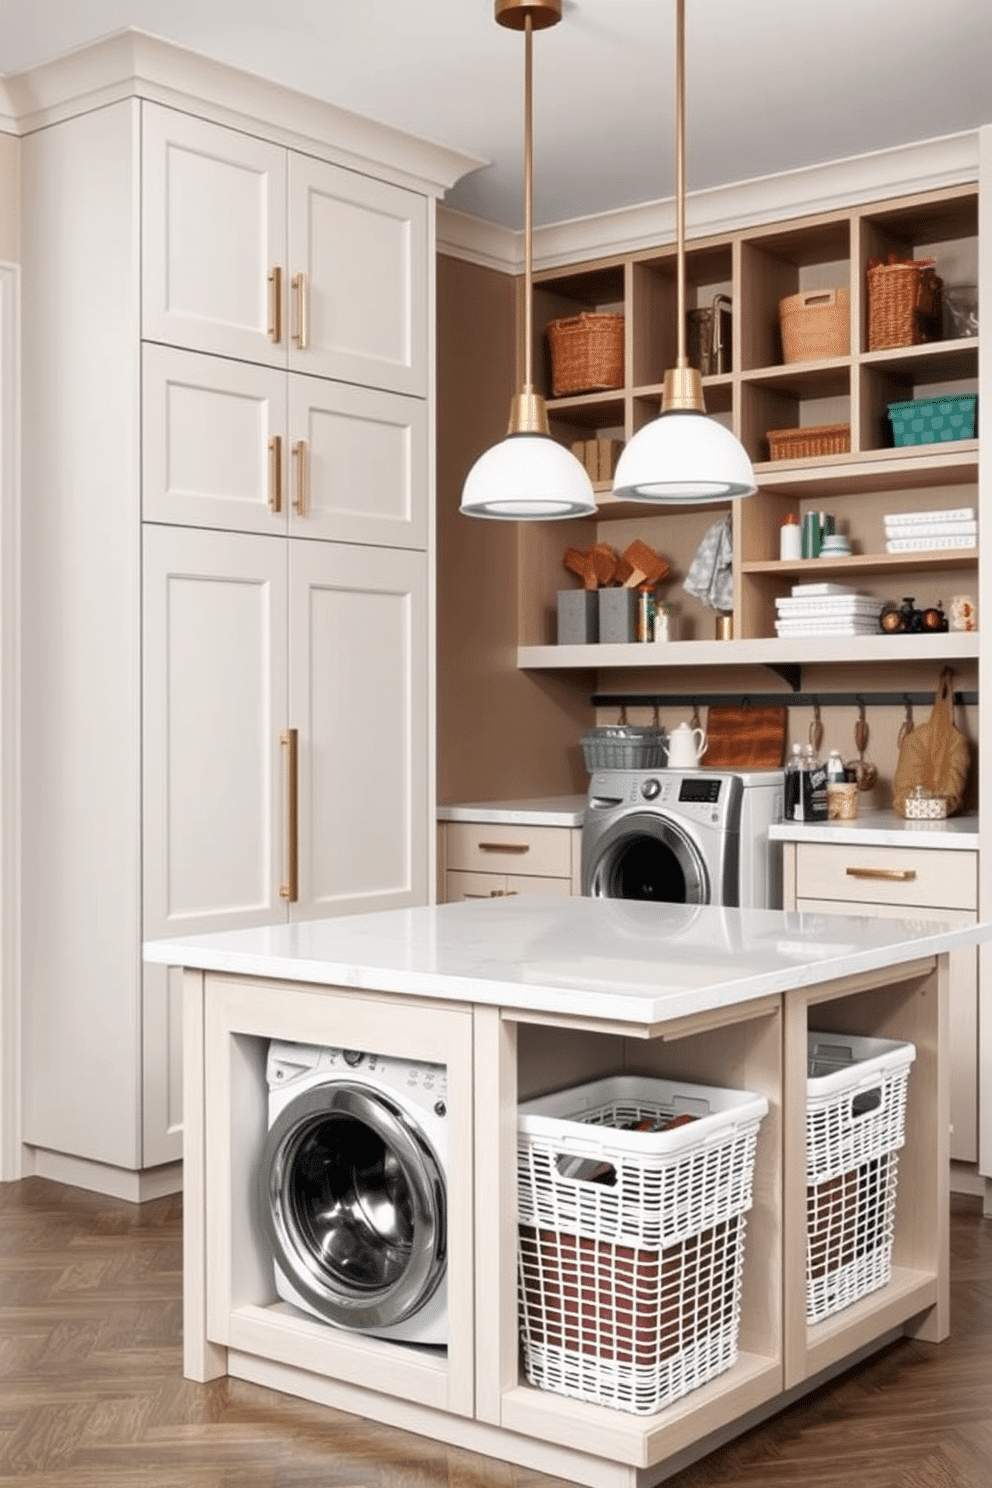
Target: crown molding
[
  {"x": 836, "y": 185},
  {"x": 133, "y": 63}
]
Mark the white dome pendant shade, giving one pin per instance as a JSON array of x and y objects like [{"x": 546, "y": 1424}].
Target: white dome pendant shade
[
  {"x": 528, "y": 476},
  {"x": 683, "y": 454}
]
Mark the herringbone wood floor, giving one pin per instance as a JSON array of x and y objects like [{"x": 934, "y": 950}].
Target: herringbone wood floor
[{"x": 92, "y": 1396}]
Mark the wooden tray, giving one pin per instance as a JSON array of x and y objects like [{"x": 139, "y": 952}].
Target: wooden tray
[{"x": 745, "y": 738}]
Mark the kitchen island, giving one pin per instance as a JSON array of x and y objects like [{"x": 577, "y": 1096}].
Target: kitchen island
[{"x": 518, "y": 997}]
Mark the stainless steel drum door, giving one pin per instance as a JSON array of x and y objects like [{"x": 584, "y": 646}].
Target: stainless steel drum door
[
  {"x": 352, "y": 1201},
  {"x": 647, "y": 856}
]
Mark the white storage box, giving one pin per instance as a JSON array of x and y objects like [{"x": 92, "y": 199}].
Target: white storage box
[
  {"x": 855, "y": 1125},
  {"x": 631, "y": 1242}
]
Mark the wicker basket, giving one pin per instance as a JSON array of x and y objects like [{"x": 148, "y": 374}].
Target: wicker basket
[
  {"x": 905, "y": 303},
  {"x": 805, "y": 444},
  {"x": 586, "y": 354},
  {"x": 815, "y": 324}
]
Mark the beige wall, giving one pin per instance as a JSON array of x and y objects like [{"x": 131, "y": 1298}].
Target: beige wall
[
  {"x": 502, "y": 733},
  {"x": 10, "y": 199}
]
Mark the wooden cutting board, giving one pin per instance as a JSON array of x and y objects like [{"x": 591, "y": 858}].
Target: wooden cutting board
[{"x": 745, "y": 738}]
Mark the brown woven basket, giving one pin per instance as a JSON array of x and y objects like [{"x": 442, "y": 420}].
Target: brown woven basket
[
  {"x": 804, "y": 444},
  {"x": 586, "y": 354},
  {"x": 905, "y": 303},
  {"x": 815, "y": 324}
]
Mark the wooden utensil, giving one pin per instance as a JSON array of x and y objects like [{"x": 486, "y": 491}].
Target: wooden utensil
[
  {"x": 647, "y": 566},
  {"x": 578, "y": 561},
  {"x": 604, "y": 562},
  {"x": 865, "y": 772}
]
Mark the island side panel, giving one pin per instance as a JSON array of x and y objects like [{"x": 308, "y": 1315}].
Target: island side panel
[{"x": 202, "y": 1360}]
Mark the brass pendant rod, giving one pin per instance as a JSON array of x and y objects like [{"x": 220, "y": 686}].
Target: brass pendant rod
[
  {"x": 528, "y": 203},
  {"x": 683, "y": 360}
]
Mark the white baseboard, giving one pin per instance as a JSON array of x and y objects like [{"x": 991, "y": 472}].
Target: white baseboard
[{"x": 136, "y": 1187}]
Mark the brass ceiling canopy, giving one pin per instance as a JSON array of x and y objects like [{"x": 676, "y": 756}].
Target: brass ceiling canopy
[{"x": 514, "y": 14}]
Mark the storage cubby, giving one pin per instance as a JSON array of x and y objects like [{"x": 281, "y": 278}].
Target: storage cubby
[
  {"x": 599, "y": 290},
  {"x": 779, "y": 263}
]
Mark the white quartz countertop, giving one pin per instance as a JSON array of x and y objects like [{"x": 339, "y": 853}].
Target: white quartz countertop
[
  {"x": 622, "y": 960},
  {"x": 549, "y": 811},
  {"x": 884, "y": 829}
]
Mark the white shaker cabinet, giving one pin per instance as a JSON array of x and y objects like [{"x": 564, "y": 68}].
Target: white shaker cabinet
[
  {"x": 181, "y": 628},
  {"x": 248, "y": 640},
  {"x": 248, "y": 448},
  {"x": 254, "y": 251}
]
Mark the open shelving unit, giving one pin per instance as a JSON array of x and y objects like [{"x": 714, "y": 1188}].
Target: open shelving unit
[{"x": 759, "y": 392}]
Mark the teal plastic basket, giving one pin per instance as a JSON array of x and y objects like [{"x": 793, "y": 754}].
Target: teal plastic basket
[{"x": 933, "y": 420}]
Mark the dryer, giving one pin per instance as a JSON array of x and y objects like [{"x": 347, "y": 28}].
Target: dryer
[
  {"x": 683, "y": 837},
  {"x": 352, "y": 1189}
]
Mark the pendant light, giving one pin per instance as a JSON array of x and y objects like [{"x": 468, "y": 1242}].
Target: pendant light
[
  {"x": 528, "y": 476},
  {"x": 682, "y": 455}
]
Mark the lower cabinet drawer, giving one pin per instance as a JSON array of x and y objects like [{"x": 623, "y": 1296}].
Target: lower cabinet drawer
[
  {"x": 478, "y": 847},
  {"x": 460, "y": 885},
  {"x": 931, "y": 878}
]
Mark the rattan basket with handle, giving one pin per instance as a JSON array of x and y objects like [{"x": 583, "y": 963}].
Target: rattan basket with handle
[
  {"x": 905, "y": 303},
  {"x": 815, "y": 324},
  {"x": 586, "y": 353}
]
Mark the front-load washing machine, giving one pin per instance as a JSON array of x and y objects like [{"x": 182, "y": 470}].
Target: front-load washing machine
[
  {"x": 683, "y": 837},
  {"x": 351, "y": 1189}
]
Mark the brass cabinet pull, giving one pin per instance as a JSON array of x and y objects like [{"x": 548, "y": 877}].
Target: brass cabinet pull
[
  {"x": 301, "y": 501},
  {"x": 301, "y": 334},
  {"x": 504, "y": 847},
  {"x": 275, "y": 304},
  {"x": 275, "y": 473},
  {"x": 290, "y": 890},
  {"x": 900, "y": 875}
]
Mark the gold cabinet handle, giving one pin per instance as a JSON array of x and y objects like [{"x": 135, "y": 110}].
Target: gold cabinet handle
[
  {"x": 301, "y": 332},
  {"x": 504, "y": 847},
  {"x": 301, "y": 501},
  {"x": 275, "y": 473},
  {"x": 275, "y": 304},
  {"x": 290, "y": 889},
  {"x": 899, "y": 875}
]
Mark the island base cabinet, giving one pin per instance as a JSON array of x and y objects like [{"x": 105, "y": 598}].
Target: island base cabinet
[{"x": 475, "y": 1394}]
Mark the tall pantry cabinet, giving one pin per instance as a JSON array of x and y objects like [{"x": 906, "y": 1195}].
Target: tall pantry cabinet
[{"x": 227, "y": 573}]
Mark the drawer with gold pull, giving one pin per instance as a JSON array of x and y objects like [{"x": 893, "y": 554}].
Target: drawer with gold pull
[
  {"x": 496, "y": 847},
  {"x": 923, "y": 877}
]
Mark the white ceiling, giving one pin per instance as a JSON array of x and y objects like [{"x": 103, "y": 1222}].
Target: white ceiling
[{"x": 772, "y": 85}]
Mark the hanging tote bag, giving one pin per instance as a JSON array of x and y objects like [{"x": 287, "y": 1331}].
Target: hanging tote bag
[{"x": 935, "y": 755}]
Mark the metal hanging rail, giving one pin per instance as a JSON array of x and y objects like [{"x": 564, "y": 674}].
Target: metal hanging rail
[{"x": 784, "y": 699}]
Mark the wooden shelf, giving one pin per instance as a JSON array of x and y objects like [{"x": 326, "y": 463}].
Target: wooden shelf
[
  {"x": 865, "y": 563},
  {"x": 769, "y": 652}
]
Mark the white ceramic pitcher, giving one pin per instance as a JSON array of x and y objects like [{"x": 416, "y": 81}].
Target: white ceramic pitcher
[{"x": 685, "y": 747}]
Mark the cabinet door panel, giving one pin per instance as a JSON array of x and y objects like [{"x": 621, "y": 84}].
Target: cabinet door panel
[
  {"x": 213, "y": 227},
  {"x": 215, "y": 701},
  {"x": 214, "y": 450},
  {"x": 366, "y": 464},
  {"x": 359, "y": 698},
  {"x": 362, "y": 245}
]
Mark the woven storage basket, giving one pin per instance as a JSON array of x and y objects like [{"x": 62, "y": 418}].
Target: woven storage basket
[
  {"x": 804, "y": 444},
  {"x": 586, "y": 354},
  {"x": 815, "y": 324},
  {"x": 631, "y": 1237},
  {"x": 855, "y": 1124},
  {"x": 905, "y": 303},
  {"x": 623, "y": 746}
]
